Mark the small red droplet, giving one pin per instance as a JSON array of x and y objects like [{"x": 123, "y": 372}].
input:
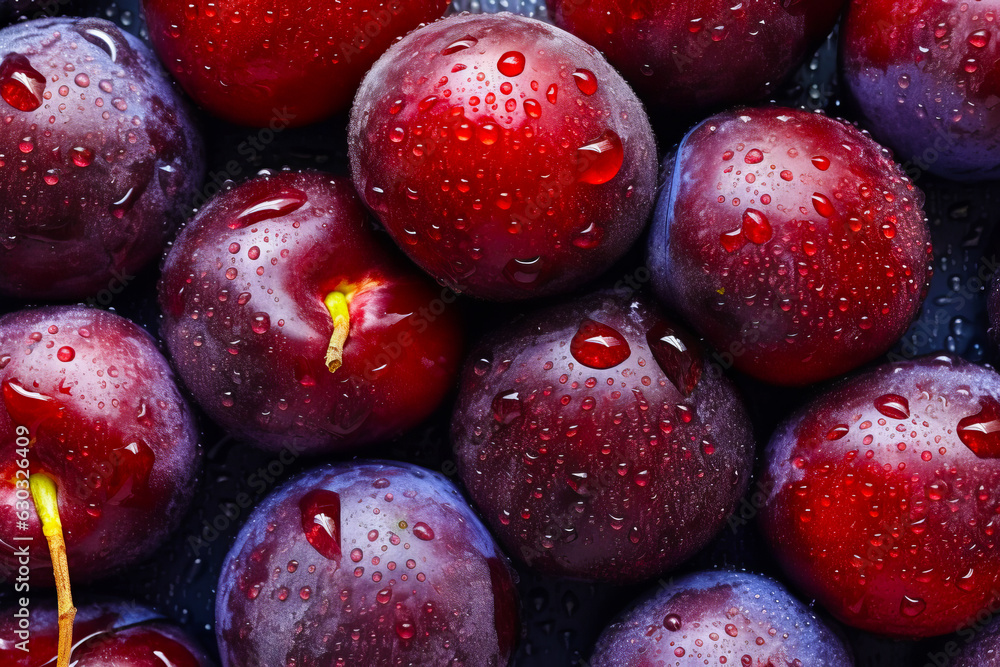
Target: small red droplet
[
  {"x": 511, "y": 63},
  {"x": 66, "y": 354},
  {"x": 820, "y": 162}
]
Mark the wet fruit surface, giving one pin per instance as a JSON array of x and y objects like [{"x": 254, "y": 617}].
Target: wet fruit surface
[
  {"x": 926, "y": 78},
  {"x": 257, "y": 63},
  {"x": 399, "y": 571},
  {"x": 696, "y": 56},
  {"x": 791, "y": 242},
  {"x": 108, "y": 633},
  {"x": 99, "y": 158},
  {"x": 505, "y": 157},
  {"x": 598, "y": 441},
  {"x": 88, "y": 399},
  {"x": 244, "y": 294},
  {"x": 883, "y": 497},
  {"x": 720, "y": 618}
]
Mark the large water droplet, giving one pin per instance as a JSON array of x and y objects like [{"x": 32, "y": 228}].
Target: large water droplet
[
  {"x": 466, "y": 42},
  {"x": 911, "y": 606},
  {"x": 320, "y": 510},
  {"x": 511, "y": 63},
  {"x": 274, "y": 206},
  {"x": 893, "y": 406},
  {"x": 598, "y": 345},
  {"x": 506, "y": 406},
  {"x": 585, "y": 81},
  {"x": 756, "y": 226},
  {"x": 21, "y": 85},
  {"x": 28, "y": 408},
  {"x": 600, "y": 160},
  {"x": 981, "y": 432},
  {"x": 677, "y": 355},
  {"x": 523, "y": 272},
  {"x": 823, "y": 205}
]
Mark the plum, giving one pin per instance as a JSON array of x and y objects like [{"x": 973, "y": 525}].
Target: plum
[
  {"x": 99, "y": 158},
  {"x": 690, "y": 57},
  {"x": 503, "y": 155},
  {"x": 720, "y": 618},
  {"x": 925, "y": 77},
  {"x": 598, "y": 441},
  {"x": 791, "y": 242},
  {"x": 254, "y": 62},
  {"x": 884, "y": 497},
  {"x": 89, "y": 401},
  {"x": 291, "y": 321},
  {"x": 366, "y": 564},
  {"x": 108, "y": 634}
]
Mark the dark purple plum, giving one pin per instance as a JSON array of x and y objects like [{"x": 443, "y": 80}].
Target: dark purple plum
[
  {"x": 981, "y": 647},
  {"x": 598, "y": 441},
  {"x": 274, "y": 276},
  {"x": 689, "y": 57},
  {"x": 99, "y": 159},
  {"x": 884, "y": 497},
  {"x": 925, "y": 76},
  {"x": 720, "y": 618},
  {"x": 86, "y": 395},
  {"x": 366, "y": 564},
  {"x": 791, "y": 242},
  {"x": 106, "y": 634},
  {"x": 993, "y": 310}
]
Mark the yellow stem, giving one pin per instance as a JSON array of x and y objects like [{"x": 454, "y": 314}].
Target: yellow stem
[
  {"x": 44, "y": 493},
  {"x": 336, "y": 303}
]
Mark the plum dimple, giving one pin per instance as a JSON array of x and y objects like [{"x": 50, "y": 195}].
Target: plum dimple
[
  {"x": 596, "y": 441},
  {"x": 503, "y": 155},
  {"x": 884, "y": 502},
  {"x": 101, "y": 157},
  {"x": 787, "y": 251}
]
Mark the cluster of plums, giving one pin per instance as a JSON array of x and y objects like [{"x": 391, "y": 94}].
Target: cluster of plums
[{"x": 595, "y": 431}]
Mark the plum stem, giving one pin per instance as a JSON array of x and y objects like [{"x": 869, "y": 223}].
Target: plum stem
[
  {"x": 45, "y": 495},
  {"x": 336, "y": 303}
]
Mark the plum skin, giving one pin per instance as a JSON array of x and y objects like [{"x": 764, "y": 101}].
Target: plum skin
[
  {"x": 95, "y": 180},
  {"x": 893, "y": 530},
  {"x": 733, "y": 618},
  {"x": 613, "y": 475},
  {"x": 461, "y": 143},
  {"x": 120, "y": 634},
  {"x": 415, "y": 575},
  {"x": 925, "y": 78},
  {"x": 116, "y": 391},
  {"x": 247, "y": 328},
  {"x": 692, "y": 57},
  {"x": 790, "y": 241},
  {"x": 249, "y": 64}
]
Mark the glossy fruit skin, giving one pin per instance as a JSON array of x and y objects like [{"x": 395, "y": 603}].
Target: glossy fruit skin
[
  {"x": 247, "y": 328},
  {"x": 614, "y": 474},
  {"x": 731, "y": 618},
  {"x": 120, "y": 634},
  {"x": 981, "y": 647},
  {"x": 415, "y": 575},
  {"x": 257, "y": 63},
  {"x": 689, "y": 57},
  {"x": 891, "y": 523},
  {"x": 111, "y": 428},
  {"x": 95, "y": 181},
  {"x": 925, "y": 77},
  {"x": 791, "y": 242},
  {"x": 508, "y": 185}
]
